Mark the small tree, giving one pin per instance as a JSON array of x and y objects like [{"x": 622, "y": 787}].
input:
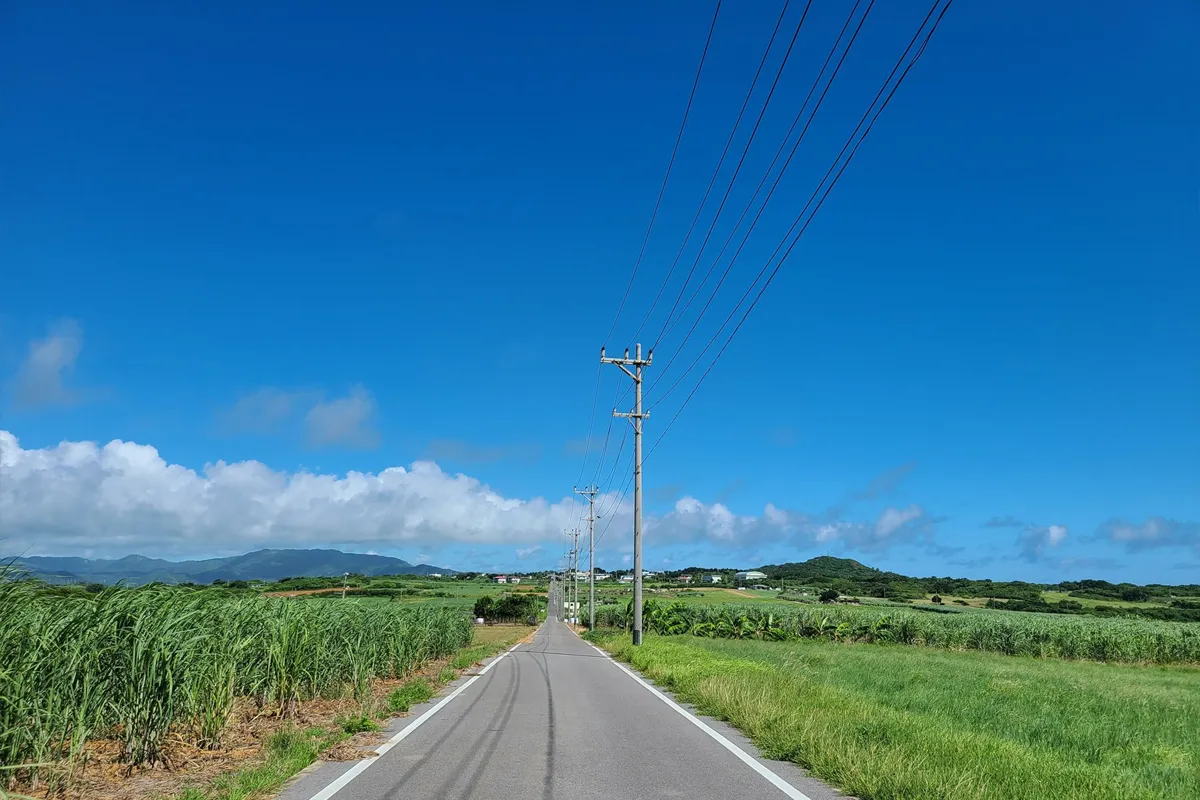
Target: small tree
[
  {"x": 829, "y": 596},
  {"x": 936, "y": 599}
]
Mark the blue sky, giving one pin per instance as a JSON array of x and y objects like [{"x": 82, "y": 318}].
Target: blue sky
[{"x": 291, "y": 251}]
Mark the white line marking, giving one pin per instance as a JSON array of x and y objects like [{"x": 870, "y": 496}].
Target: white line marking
[
  {"x": 361, "y": 766},
  {"x": 749, "y": 760}
]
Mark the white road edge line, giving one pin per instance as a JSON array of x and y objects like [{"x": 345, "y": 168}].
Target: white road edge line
[
  {"x": 749, "y": 760},
  {"x": 361, "y": 766}
]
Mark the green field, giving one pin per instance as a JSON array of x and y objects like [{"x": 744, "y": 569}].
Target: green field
[
  {"x": 899, "y": 722},
  {"x": 149, "y": 665},
  {"x": 1121, "y": 640}
]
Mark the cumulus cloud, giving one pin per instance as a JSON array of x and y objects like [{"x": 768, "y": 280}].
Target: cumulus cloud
[
  {"x": 41, "y": 378},
  {"x": 1154, "y": 532},
  {"x": 1036, "y": 541},
  {"x": 123, "y": 497},
  {"x": 348, "y": 421}
]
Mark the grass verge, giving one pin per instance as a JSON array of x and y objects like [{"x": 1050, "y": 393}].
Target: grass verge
[
  {"x": 890, "y": 722},
  {"x": 287, "y": 752}
]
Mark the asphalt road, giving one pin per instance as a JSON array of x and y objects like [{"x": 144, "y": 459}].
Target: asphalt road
[{"x": 556, "y": 719}]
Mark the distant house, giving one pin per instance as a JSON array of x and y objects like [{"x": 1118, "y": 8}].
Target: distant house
[
  {"x": 434, "y": 575},
  {"x": 626, "y": 579},
  {"x": 749, "y": 576},
  {"x": 515, "y": 579},
  {"x": 648, "y": 573},
  {"x": 712, "y": 578},
  {"x": 602, "y": 576},
  {"x": 501, "y": 579},
  {"x": 684, "y": 579}
]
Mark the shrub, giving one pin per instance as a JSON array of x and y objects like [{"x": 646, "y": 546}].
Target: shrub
[
  {"x": 829, "y": 596},
  {"x": 359, "y": 723},
  {"x": 411, "y": 693}
]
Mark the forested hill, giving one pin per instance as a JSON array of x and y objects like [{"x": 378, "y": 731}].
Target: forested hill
[{"x": 851, "y": 577}]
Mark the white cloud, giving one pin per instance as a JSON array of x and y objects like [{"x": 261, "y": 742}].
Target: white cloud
[
  {"x": 40, "y": 380},
  {"x": 1036, "y": 540},
  {"x": 893, "y": 519},
  {"x": 348, "y": 421},
  {"x": 122, "y": 497}
]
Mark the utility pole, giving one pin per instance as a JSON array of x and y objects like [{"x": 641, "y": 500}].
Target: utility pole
[
  {"x": 636, "y": 416},
  {"x": 573, "y": 566},
  {"x": 575, "y": 571},
  {"x": 590, "y": 493}
]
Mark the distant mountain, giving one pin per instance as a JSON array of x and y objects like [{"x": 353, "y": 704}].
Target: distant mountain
[{"x": 267, "y": 565}]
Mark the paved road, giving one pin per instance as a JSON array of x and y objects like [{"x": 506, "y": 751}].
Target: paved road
[{"x": 556, "y": 719}]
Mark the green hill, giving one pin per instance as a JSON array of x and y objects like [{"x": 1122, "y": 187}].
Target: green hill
[{"x": 824, "y": 569}]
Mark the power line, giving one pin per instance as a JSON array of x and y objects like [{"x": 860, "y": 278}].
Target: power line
[
  {"x": 712, "y": 226},
  {"x": 771, "y": 192},
  {"x": 591, "y": 425},
  {"x": 795, "y": 239},
  {"x": 620, "y": 499},
  {"x": 728, "y": 143},
  {"x": 671, "y": 163}
]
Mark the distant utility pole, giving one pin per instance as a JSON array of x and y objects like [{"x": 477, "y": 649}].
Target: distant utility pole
[
  {"x": 345, "y": 583},
  {"x": 575, "y": 571},
  {"x": 573, "y": 567},
  {"x": 590, "y": 493},
  {"x": 636, "y": 416}
]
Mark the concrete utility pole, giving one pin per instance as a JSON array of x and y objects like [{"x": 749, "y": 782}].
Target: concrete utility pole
[
  {"x": 590, "y": 493},
  {"x": 636, "y": 416},
  {"x": 575, "y": 571},
  {"x": 573, "y": 567}
]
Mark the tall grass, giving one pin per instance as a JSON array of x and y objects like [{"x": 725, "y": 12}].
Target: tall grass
[
  {"x": 135, "y": 663},
  {"x": 1123, "y": 640},
  {"x": 886, "y": 723}
]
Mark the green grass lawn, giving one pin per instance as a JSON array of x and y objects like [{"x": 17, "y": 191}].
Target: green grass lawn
[{"x": 897, "y": 722}]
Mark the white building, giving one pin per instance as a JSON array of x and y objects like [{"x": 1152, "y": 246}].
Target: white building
[
  {"x": 748, "y": 576},
  {"x": 712, "y": 579},
  {"x": 602, "y": 576},
  {"x": 626, "y": 579},
  {"x": 514, "y": 580},
  {"x": 501, "y": 579}
]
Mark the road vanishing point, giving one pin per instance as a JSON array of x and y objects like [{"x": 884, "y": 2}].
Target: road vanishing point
[{"x": 557, "y": 718}]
